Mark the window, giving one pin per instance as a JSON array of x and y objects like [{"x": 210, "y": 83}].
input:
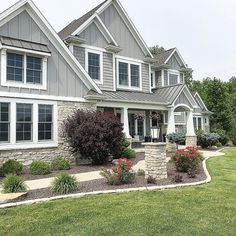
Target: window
[
  {"x": 15, "y": 67},
  {"x": 23, "y": 122},
  {"x": 94, "y": 65},
  {"x": 23, "y": 70},
  {"x": 173, "y": 79},
  {"x": 197, "y": 122},
  {"x": 34, "y": 70},
  {"x": 134, "y": 75},
  {"x": 45, "y": 123},
  {"x": 4, "y": 122},
  {"x": 153, "y": 84},
  {"x": 129, "y": 75},
  {"x": 123, "y": 74}
]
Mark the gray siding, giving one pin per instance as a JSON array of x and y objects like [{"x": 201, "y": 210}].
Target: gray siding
[
  {"x": 121, "y": 33},
  {"x": 174, "y": 63},
  {"x": 180, "y": 119},
  {"x": 93, "y": 36},
  {"x": 61, "y": 79},
  {"x": 79, "y": 54},
  {"x": 145, "y": 78},
  {"x": 182, "y": 99},
  {"x": 107, "y": 72}
]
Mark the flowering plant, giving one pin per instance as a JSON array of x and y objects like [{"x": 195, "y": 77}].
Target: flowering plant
[
  {"x": 155, "y": 116},
  {"x": 139, "y": 117},
  {"x": 187, "y": 160},
  {"x": 120, "y": 173}
]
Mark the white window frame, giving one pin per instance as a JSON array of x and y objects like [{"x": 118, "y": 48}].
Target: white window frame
[
  {"x": 35, "y": 143},
  {"x": 180, "y": 114},
  {"x": 153, "y": 74},
  {"x": 100, "y": 53},
  {"x": 25, "y": 53},
  {"x": 129, "y": 62},
  {"x": 197, "y": 121},
  {"x": 175, "y": 72}
]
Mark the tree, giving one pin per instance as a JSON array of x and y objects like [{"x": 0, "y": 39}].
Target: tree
[{"x": 156, "y": 49}]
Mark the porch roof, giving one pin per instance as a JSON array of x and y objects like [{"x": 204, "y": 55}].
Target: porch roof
[{"x": 164, "y": 95}]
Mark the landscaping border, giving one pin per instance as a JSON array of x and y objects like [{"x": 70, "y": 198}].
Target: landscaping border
[{"x": 78, "y": 195}]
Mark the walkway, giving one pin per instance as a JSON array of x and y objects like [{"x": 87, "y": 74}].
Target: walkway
[{"x": 46, "y": 182}]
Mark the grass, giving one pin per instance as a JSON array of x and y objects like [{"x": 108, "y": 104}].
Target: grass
[{"x": 202, "y": 210}]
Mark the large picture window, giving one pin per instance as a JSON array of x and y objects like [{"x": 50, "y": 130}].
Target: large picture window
[
  {"x": 129, "y": 75},
  {"x": 23, "y": 122},
  {"x": 4, "y": 122},
  {"x": 15, "y": 67},
  {"x": 45, "y": 123}
]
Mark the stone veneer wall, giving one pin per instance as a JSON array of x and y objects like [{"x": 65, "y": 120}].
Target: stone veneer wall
[
  {"x": 26, "y": 156},
  {"x": 155, "y": 160}
]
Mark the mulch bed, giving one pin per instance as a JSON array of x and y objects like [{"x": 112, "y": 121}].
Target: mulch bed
[{"x": 98, "y": 185}]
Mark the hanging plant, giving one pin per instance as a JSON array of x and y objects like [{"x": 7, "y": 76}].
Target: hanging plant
[
  {"x": 155, "y": 116},
  {"x": 139, "y": 117}
]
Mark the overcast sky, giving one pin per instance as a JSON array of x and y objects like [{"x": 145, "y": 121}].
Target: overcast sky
[{"x": 202, "y": 30}]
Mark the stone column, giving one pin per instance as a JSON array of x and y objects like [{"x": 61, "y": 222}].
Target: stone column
[
  {"x": 191, "y": 138},
  {"x": 125, "y": 121},
  {"x": 155, "y": 160}
]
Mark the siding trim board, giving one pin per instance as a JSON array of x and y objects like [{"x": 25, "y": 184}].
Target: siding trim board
[{"x": 44, "y": 25}]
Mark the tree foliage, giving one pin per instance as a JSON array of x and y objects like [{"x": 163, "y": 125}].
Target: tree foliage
[{"x": 156, "y": 49}]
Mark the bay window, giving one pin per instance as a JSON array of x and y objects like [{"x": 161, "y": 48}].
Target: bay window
[
  {"x": 27, "y": 124},
  {"x": 129, "y": 75},
  {"x": 197, "y": 122}
]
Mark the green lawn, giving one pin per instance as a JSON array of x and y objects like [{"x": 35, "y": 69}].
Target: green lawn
[{"x": 203, "y": 210}]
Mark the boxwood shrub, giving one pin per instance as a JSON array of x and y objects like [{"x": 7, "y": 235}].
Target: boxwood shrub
[
  {"x": 60, "y": 163},
  {"x": 12, "y": 167},
  {"x": 39, "y": 168}
]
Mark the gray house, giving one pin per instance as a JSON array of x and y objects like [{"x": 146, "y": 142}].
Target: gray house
[{"x": 98, "y": 61}]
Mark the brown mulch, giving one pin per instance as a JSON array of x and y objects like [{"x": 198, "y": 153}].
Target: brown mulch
[
  {"x": 98, "y": 185},
  {"x": 82, "y": 168}
]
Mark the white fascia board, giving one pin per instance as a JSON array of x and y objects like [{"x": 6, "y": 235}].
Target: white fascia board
[
  {"x": 45, "y": 26},
  {"x": 198, "y": 95}
]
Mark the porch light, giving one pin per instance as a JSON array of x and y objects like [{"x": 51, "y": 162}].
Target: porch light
[{"x": 155, "y": 134}]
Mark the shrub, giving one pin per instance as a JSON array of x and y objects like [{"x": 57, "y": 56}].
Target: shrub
[
  {"x": 151, "y": 180},
  {"x": 12, "y": 167},
  {"x": 187, "y": 159},
  {"x": 94, "y": 134},
  {"x": 1, "y": 172},
  {"x": 178, "y": 138},
  {"x": 233, "y": 139},
  {"x": 178, "y": 178},
  {"x": 224, "y": 139},
  {"x": 140, "y": 172},
  {"x": 60, "y": 163},
  {"x": 121, "y": 172},
  {"x": 13, "y": 184},
  {"x": 39, "y": 168},
  {"x": 64, "y": 183},
  {"x": 128, "y": 153},
  {"x": 205, "y": 139}
]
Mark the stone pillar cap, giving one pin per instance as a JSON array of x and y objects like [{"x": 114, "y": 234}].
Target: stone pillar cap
[{"x": 154, "y": 144}]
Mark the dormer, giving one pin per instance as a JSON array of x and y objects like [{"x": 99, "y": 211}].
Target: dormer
[{"x": 168, "y": 69}]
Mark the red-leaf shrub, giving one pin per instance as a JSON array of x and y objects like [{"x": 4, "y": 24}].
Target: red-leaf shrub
[
  {"x": 120, "y": 173},
  {"x": 187, "y": 159},
  {"x": 94, "y": 134}
]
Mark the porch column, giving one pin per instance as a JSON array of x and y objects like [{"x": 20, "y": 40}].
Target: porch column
[
  {"x": 189, "y": 125},
  {"x": 191, "y": 138},
  {"x": 171, "y": 121},
  {"x": 125, "y": 121}
]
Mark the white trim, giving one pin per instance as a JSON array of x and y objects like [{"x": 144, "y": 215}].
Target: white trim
[
  {"x": 173, "y": 72},
  {"x": 98, "y": 52},
  {"x": 162, "y": 78},
  {"x": 86, "y": 46},
  {"x": 129, "y": 63},
  {"x": 202, "y": 120},
  {"x": 114, "y": 71},
  {"x": 41, "y": 97},
  {"x": 24, "y": 83},
  {"x": 52, "y": 35},
  {"x": 129, "y": 59},
  {"x": 183, "y": 105},
  {"x": 35, "y": 143},
  {"x": 152, "y": 77}
]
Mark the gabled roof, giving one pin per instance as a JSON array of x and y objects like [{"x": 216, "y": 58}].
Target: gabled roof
[
  {"x": 162, "y": 58},
  {"x": 45, "y": 26},
  {"x": 77, "y": 25},
  {"x": 200, "y": 101}
]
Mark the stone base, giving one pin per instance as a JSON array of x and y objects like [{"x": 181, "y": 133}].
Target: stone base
[
  {"x": 155, "y": 160},
  {"x": 171, "y": 149},
  {"x": 191, "y": 140}
]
